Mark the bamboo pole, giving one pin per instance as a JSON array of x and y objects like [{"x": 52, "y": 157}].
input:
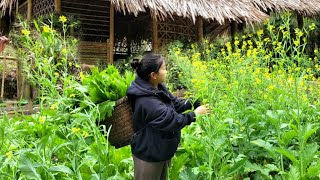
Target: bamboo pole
[
  {"x": 155, "y": 37},
  {"x": 199, "y": 28},
  {"x": 57, "y": 6},
  {"x": 111, "y": 34},
  {"x": 29, "y": 12},
  {"x": 3, "y": 76}
]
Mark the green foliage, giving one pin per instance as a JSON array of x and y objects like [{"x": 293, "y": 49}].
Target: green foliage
[{"x": 263, "y": 90}]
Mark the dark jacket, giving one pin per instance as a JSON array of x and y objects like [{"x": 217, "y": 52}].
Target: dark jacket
[{"x": 157, "y": 120}]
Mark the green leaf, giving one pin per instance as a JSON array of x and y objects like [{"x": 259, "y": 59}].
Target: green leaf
[
  {"x": 264, "y": 144},
  {"x": 61, "y": 169},
  {"x": 289, "y": 154},
  {"x": 314, "y": 170},
  {"x": 288, "y": 136},
  {"x": 178, "y": 164},
  {"x": 237, "y": 166},
  {"x": 106, "y": 108},
  {"x": 309, "y": 153},
  {"x": 307, "y": 131},
  {"x": 28, "y": 168}
]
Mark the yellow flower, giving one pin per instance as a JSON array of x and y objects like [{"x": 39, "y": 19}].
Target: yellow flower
[
  {"x": 260, "y": 32},
  {"x": 290, "y": 80},
  {"x": 270, "y": 27},
  {"x": 258, "y": 81},
  {"x": 316, "y": 51},
  {"x": 56, "y": 74},
  {"x": 46, "y": 28},
  {"x": 85, "y": 134},
  {"x": 296, "y": 43},
  {"x": 75, "y": 130},
  {"x": 64, "y": 51},
  {"x": 9, "y": 154},
  {"x": 82, "y": 76},
  {"x": 312, "y": 26},
  {"x": 72, "y": 95},
  {"x": 12, "y": 147},
  {"x": 42, "y": 119},
  {"x": 62, "y": 19},
  {"x": 271, "y": 87},
  {"x": 25, "y": 32},
  {"x": 54, "y": 106},
  {"x": 70, "y": 64}
]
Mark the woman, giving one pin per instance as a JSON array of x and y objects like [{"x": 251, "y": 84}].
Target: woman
[{"x": 157, "y": 118}]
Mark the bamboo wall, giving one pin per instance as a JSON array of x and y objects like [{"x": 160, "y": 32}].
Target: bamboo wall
[
  {"x": 178, "y": 28},
  {"x": 94, "y": 17}
]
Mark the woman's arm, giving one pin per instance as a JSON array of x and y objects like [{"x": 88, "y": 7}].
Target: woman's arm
[{"x": 163, "y": 117}]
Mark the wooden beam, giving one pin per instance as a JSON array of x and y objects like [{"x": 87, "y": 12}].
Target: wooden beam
[
  {"x": 111, "y": 34},
  {"x": 29, "y": 12},
  {"x": 57, "y": 6},
  {"x": 199, "y": 29},
  {"x": 155, "y": 37},
  {"x": 19, "y": 80},
  {"x": 3, "y": 76}
]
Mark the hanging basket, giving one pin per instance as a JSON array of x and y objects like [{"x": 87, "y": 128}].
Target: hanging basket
[{"x": 120, "y": 122}]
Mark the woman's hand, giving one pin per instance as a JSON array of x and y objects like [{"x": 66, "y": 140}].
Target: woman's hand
[{"x": 204, "y": 109}]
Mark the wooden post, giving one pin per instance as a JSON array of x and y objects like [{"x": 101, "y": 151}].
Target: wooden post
[
  {"x": 111, "y": 35},
  {"x": 199, "y": 29},
  {"x": 3, "y": 75},
  {"x": 17, "y": 8},
  {"x": 29, "y": 13},
  {"x": 233, "y": 30},
  {"x": 57, "y": 6},
  {"x": 155, "y": 38},
  {"x": 300, "y": 21},
  {"x": 19, "y": 79}
]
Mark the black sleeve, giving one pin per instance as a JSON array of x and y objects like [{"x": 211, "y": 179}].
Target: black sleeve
[
  {"x": 182, "y": 105},
  {"x": 165, "y": 118}
]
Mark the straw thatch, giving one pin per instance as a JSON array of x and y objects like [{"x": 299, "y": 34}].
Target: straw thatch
[
  {"x": 6, "y": 4},
  {"x": 219, "y": 10},
  {"x": 305, "y": 7}
]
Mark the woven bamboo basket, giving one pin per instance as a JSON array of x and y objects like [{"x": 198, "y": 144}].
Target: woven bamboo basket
[{"x": 120, "y": 122}]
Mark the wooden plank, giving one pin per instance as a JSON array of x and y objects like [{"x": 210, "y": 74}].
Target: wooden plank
[
  {"x": 3, "y": 76},
  {"x": 85, "y": 29},
  {"x": 84, "y": 10},
  {"x": 84, "y": 4},
  {"x": 199, "y": 29},
  {"x": 29, "y": 13},
  {"x": 155, "y": 39},
  {"x": 89, "y": 34},
  {"x": 9, "y": 58},
  {"x": 90, "y": 24},
  {"x": 19, "y": 80},
  {"x": 111, "y": 35},
  {"x": 23, "y": 4},
  {"x": 57, "y": 6}
]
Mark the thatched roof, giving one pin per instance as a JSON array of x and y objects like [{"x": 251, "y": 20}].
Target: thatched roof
[
  {"x": 6, "y": 4},
  {"x": 219, "y": 10},
  {"x": 305, "y": 7}
]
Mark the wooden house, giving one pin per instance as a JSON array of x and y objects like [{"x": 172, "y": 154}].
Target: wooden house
[{"x": 112, "y": 29}]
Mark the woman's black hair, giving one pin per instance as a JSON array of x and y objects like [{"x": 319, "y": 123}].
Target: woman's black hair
[{"x": 150, "y": 62}]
